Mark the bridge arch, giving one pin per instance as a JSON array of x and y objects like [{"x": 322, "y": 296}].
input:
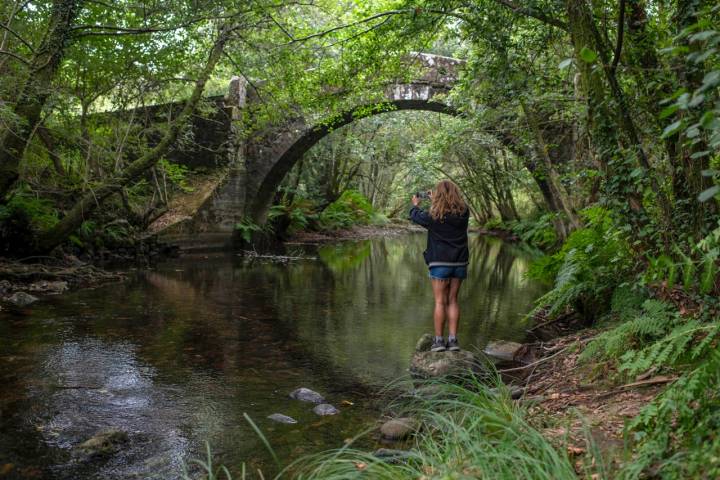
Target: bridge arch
[{"x": 263, "y": 197}]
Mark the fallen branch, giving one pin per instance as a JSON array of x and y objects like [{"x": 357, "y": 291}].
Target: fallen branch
[
  {"x": 644, "y": 383},
  {"x": 544, "y": 359}
]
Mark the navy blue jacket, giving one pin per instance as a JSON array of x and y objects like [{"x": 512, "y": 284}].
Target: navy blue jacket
[{"x": 447, "y": 241}]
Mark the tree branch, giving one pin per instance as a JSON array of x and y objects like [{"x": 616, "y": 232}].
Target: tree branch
[
  {"x": 620, "y": 35},
  {"x": 16, "y": 57},
  {"x": 17, "y": 35},
  {"x": 529, "y": 12}
]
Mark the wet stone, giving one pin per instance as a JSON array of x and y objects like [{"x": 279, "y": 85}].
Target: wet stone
[
  {"x": 398, "y": 428},
  {"x": 391, "y": 455},
  {"x": 280, "y": 418},
  {"x": 502, "y": 350},
  {"x": 21, "y": 299},
  {"x": 104, "y": 443},
  {"x": 424, "y": 343},
  {"x": 306, "y": 395},
  {"x": 441, "y": 364},
  {"x": 325, "y": 409}
]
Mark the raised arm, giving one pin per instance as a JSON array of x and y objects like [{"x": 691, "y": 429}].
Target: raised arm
[{"x": 419, "y": 216}]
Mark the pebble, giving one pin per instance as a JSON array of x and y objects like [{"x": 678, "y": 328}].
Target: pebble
[
  {"x": 325, "y": 409},
  {"x": 306, "y": 395}
]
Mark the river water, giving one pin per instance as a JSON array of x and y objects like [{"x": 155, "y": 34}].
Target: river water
[{"x": 177, "y": 354}]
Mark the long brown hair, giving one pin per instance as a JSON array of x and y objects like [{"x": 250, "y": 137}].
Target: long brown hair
[{"x": 446, "y": 199}]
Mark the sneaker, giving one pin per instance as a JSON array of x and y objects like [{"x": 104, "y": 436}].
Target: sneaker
[
  {"x": 453, "y": 345},
  {"x": 438, "y": 345}
]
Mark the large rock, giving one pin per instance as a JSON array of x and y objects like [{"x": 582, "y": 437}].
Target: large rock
[
  {"x": 104, "y": 443},
  {"x": 280, "y": 418},
  {"x": 441, "y": 364},
  {"x": 306, "y": 395},
  {"x": 503, "y": 350},
  {"x": 325, "y": 409},
  {"x": 398, "y": 428},
  {"x": 21, "y": 299}
]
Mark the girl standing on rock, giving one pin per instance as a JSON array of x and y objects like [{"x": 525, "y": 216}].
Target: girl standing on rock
[{"x": 446, "y": 256}]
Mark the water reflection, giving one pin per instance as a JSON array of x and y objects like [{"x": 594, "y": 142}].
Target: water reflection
[{"x": 175, "y": 356}]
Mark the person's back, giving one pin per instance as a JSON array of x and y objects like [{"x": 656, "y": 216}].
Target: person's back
[{"x": 446, "y": 255}]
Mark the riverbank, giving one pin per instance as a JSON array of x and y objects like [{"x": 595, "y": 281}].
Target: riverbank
[{"x": 357, "y": 232}]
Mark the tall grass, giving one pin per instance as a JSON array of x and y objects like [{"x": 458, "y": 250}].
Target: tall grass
[
  {"x": 470, "y": 431},
  {"x": 474, "y": 431}
]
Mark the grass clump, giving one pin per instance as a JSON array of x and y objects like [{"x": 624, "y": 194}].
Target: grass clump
[{"x": 470, "y": 431}]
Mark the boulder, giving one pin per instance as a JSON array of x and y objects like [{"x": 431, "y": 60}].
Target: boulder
[
  {"x": 280, "y": 418},
  {"x": 21, "y": 299},
  {"x": 503, "y": 350},
  {"x": 325, "y": 409},
  {"x": 440, "y": 364},
  {"x": 306, "y": 395},
  {"x": 104, "y": 443},
  {"x": 398, "y": 428}
]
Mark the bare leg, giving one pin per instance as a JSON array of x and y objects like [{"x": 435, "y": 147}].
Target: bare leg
[
  {"x": 453, "y": 308},
  {"x": 440, "y": 288}
]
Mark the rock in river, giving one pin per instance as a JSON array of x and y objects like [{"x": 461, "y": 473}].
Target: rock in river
[
  {"x": 502, "y": 350},
  {"x": 280, "y": 418},
  {"x": 21, "y": 299},
  {"x": 307, "y": 395},
  {"x": 104, "y": 443},
  {"x": 392, "y": 456},
  {"x": 398, "y": 428},
  {"x": 440, "y": 364},
  {"x": 325, "y": 409}
]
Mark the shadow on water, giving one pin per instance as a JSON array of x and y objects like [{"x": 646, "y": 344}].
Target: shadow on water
[{"x": 174, "y": 356}]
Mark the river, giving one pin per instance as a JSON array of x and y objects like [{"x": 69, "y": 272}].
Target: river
[{"x": 177, "y": 354}]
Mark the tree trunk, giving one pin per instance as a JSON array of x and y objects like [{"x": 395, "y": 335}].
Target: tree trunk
[
  {"x": 36, "y": 90},
  {"x": 553, "y": 179},
  {"x": 91, "y": 200}
]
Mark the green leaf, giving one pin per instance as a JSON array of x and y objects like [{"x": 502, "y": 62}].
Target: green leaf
[
  {"x": 702, "y": 36},
  {"x": 565, "y": 63},
  {"x": 706, "y": 195},
  {"x": 672, "y": 129},
  {"x": 667, "y": 111},
  {"x": 587, "y": 55}
]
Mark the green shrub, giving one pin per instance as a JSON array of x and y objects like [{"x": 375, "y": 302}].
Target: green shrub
[
  {"x": 21, "y": 218},
  {"x": 587, "y": 268},
  {"x": 538, "y": 232},
  {"x": 352, "y": 208}
]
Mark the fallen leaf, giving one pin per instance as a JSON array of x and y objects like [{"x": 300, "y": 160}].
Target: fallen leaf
[
  {"x": 575, "y": 450},
  {"x": 347, "y": 402}
]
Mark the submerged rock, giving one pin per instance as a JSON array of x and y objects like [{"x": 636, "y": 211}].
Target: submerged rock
[
  {"x": 390, "y": 455},
  {"x": 503, "y": 350},
  {"x": 398, "y": 428},
  {"x": 48, "y": 287},
  {"x": 21, "y": 299},
  {"x": 440, "y": 364},
  {"x": 306, "y": 395},
  {"x": 104, "y": 443},
  {"x": 280, "y": 418},
  {"x": 325, "y": 409}
]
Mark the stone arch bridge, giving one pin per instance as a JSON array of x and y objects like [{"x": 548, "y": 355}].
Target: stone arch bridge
[{"x": 258, "y": 164}]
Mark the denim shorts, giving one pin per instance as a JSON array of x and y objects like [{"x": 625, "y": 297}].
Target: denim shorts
[{"x": 448, "y": 272}]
